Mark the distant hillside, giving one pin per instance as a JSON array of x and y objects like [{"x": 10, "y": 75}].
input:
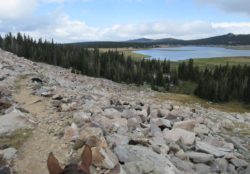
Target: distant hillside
[
  {"x": 141, "y": 40},
  {"x": 228, "y": 39}
]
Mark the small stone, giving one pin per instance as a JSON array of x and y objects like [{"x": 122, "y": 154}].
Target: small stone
[
  {"x": 129, "y": 113},
  {"x": 187, "y": 125},
  {"x": 202, "y": 168},
  {"x": 57, "y": 97},
  {"x": 161, "y": 123},
  {"x": 186, "y": 137},
  {"x": 9, "y": 153},
  {"x": 231, "y": 169},
  {"x": 201, "y": 129},
  {"x": 181, "y": 154},
  {"x": 185, "y": 166},
  {"x": 200, "y": 157},
  {"x": 46, "y": 94},
  {"x": 80, "y": 118},
  {"x": 209, "y": 148},
  {"x": 104, "y": 157},
  {"x": 247, "y": 171},
  {"x": 71, "y": 133},
  {"x": 227, "y": 124},
  {"x": 239, "y": 162},
  {"x": 219, "y": 165},
  {"x": 132, "y": 123},
  {"x": 5, "y": 170},
  {"x": 139, "y": 167}
]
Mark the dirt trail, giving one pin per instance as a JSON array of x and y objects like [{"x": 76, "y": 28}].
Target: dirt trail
[{"x": 33, "y": 154}]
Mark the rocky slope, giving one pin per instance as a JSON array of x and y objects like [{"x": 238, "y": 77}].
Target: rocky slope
[{"x": 45, "y": 108}]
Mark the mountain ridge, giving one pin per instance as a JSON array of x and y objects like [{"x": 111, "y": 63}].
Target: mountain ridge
[{"x": 227, "y": 39}]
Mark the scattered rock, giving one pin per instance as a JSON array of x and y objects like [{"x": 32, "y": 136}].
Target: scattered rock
[
  {"x": 132, "y": 123},
  {"x": 201, "y": 129},
  {"x": 227, "y": 124},
  {"x": 57, "y": 97},
  {"x": 186, "y": 137},
  {"x": 68, "y": 107},
  {"x": 239, "y": 162},
  {"x": 104, "y": 158},
  {"x": 80, "y": 118},
  {"x": 208, "y": 148},
  {"x": 182, "y": 165},
  {"x": 5, "y": 170},
  {"x": 187, "y": 125},
  {"x": 139, "y": 167},
  {"x": 9, "y": 153},
  {"x": 219, "y": 165},
  {"x": 202, "y": 168},
  {"x": 129, "y": 113},
  {"x": 13, "y": 121},
  {"x": 47, "y": 94},
  {"x": 71, "y": 133},
  {"x": 111, "y": 113},
  {"x": 160, "y": 164},
  {"x": 161, "y": 123},
  {"x": 231, "y": 169},
  {"x": 198, "y": 157}
]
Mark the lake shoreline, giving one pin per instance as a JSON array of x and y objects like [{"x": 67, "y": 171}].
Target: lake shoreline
[{"x": 195, "y": 52}]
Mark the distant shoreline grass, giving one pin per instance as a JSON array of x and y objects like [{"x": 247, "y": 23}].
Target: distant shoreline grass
[{"x": 127, "y": 52}]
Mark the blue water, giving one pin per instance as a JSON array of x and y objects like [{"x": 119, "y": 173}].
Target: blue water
[{"x": 187, "y": 52}]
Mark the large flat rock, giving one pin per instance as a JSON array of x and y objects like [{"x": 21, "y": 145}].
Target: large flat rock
[
  {"x": 13, "y": 121},
  {"x": 160, "y": 164}
]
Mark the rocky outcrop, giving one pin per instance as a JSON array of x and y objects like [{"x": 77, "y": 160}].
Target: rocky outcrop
[{"x": 128, "y": 130}]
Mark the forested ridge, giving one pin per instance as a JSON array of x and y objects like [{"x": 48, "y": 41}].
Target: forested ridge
[{"x": 221, "y": 84}]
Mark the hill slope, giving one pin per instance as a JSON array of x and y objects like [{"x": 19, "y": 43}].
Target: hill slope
[
  {"x": 129, "y": 130},
  {"x": 228, "y": 39}
]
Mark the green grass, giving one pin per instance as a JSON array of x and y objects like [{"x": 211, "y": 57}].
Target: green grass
[
  {"x": 185, "y": 87},
  {"x": 127, "y": 52},
  {"x": 212, "y": 62}
]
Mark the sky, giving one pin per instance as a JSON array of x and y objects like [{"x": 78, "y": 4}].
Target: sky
[{"x": 118, "y": 20}]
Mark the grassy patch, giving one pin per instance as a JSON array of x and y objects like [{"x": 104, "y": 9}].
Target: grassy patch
[
  {"x": 184, "y": 87},
  {"x": 126, "y": 52},
  {"x": 15, "y": 139},
  {"x": 212, "y": 62},
  {"x": 191, "y": 99}
]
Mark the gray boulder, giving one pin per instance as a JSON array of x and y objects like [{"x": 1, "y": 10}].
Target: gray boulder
[
  {"x": 202, "y": 169},
  {"x": 239, "y": 162},
  {"x": 9, "y": 153},
  {"x": 160, "y": 164},
  {"x": 186, "y": 137},
  {"x": 211, "y": 149},
  {"x": 200, "y": 157}
]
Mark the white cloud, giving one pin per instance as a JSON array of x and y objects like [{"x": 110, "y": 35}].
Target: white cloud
[
  {"x": 64, "y": 29},
  {"x": 238, "y": 6},
  {"x": 12, "y": 9},
  {"x": 18, "y": 15}
]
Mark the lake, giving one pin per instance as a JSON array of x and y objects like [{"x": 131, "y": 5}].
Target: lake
[{"x": 187, "y": 52}]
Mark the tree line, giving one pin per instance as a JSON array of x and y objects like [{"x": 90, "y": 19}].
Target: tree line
[
  {"x": 221, "y": 84},
  {"x": 112, "y": 65}
]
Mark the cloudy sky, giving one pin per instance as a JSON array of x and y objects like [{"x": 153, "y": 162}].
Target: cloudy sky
[{"x": 93, "y": 20}]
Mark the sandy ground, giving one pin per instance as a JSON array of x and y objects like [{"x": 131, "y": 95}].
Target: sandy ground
[{"x": 33, "y": 154}]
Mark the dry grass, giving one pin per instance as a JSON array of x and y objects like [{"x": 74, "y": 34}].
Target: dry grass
[
  {"x": 15, "y": 139},
  {"x": 190, "y": 99}
]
